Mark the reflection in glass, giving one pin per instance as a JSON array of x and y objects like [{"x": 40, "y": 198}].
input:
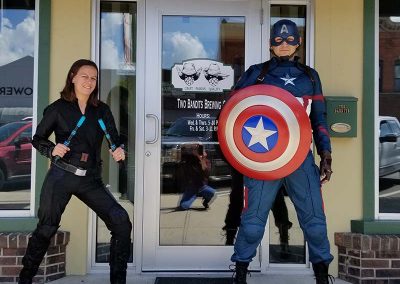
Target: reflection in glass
[
  {"x": 287, "y": 243},
  {"x": 17, "y": 45},
  {"x": 118, "y": 89},
  {"x": 389, "y": 108},
  {"x": 195, "y": 179}
]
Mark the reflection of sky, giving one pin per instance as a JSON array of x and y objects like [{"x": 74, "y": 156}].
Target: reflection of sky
[
  {"x": 188, "y": 37},
  {"x": 112, "y": 49},
  {"x": 17, "y": 34}
]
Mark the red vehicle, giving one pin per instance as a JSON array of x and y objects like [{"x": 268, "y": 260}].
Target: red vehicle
[{"x": 15, "y": 153}]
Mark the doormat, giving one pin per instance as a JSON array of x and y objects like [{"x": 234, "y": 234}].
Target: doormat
[{"x": 192, "y": 280}]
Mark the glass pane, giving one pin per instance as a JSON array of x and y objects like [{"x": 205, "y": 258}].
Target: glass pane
[
  {"x": 287, "y": 243},
  {"x": 389, "y": 107},
  {"x": 17, "y": 49},
  {"x": 118, "y": 89},
  {"x": 201, "y": 59},
  {"x": 297, "y": 14}
]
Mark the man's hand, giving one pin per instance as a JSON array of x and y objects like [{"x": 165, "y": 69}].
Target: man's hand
[
  {"x": 325, "y": 169},
  {"x": 60, "y": 150}
]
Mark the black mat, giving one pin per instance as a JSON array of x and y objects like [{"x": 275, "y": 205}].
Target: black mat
[{"x": 192, "y": 280}]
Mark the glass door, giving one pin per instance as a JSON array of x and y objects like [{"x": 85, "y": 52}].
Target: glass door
[{"x": 196, "y": 50}]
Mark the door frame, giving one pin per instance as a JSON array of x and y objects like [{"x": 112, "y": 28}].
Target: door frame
[{"x": 156, "y": 257}]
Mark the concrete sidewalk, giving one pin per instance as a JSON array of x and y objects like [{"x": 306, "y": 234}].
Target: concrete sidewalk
[{"x": 255, "y": 278}]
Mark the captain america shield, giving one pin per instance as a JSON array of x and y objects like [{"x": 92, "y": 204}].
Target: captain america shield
[{"x": 264, "y": 132}]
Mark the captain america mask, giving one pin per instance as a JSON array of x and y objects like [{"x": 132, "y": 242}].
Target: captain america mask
[{"x": 284, "y": 31}]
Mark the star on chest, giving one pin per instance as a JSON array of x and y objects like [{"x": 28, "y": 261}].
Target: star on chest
[{"x": 288, "y": 80}]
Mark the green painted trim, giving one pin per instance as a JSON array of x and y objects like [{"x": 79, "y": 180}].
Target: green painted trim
[
  {"x": 380, "y": 227},
  {"x": 29, "y": 223},
  {"x": 43, "y": 86},
  {"x": 368, "y": 110},
  {"x": 19, "y": 224}
]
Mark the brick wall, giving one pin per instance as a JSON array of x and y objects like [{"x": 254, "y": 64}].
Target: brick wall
[
  {"x": 12, "y": 249},
  {"x": 368, "y": 259}
]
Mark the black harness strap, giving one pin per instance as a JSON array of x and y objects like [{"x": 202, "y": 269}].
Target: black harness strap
[{"x": 264, "y": 72}]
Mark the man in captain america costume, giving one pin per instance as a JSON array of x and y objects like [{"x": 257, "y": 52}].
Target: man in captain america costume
[{"x": 304, "y": 184}]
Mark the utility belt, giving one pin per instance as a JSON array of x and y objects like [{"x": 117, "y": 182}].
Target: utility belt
[{"x": 78, "y": 171}]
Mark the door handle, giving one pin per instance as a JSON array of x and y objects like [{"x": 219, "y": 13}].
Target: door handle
[{"x": 157, "y": 121}]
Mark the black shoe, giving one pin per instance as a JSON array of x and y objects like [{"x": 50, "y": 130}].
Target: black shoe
[
  {"x": 321, "y": 273},
  {"x": 205, "y": 204},
  {"x": 240, "y": 272}
]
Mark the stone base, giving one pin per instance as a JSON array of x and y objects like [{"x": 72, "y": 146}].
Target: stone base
[
  {"x": 367, "y": 259},
  {"x": 12, "y": 249}
]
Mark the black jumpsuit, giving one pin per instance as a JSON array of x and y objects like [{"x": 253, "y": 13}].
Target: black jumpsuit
[{"x": 61, "y": 118}]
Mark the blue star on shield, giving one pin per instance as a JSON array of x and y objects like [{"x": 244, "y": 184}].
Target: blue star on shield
[{"x": 260, "y": 134}]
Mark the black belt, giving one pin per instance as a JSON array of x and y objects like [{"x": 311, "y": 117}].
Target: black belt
[{"x": 70, "y": 168}]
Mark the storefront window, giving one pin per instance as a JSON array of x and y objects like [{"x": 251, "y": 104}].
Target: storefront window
[
  {"x": 389, "y": 108},
  {"x": 17, "y": 52},
  {"x": 287, "y": 243},
  {"x": 118, "y": 89}
]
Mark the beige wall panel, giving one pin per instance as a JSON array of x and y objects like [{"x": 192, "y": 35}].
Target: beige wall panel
[
  {"x": 71, "y": 40},
  {"x": 339, "y": 61}
]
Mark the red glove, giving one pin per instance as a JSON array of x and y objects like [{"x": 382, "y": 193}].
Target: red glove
[{"x": 325, "y": 169}]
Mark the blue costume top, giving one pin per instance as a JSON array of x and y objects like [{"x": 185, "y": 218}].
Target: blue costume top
[{"x": 293, "y": 77}]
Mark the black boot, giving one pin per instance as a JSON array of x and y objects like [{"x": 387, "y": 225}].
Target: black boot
[
  {"x": 240, "y": 272},
  {"x": 37, "y": 247},
  {"x": 321, "y": 273},
  {"x": 119, "y": 256},
  {"x": 284, "y": 239}
]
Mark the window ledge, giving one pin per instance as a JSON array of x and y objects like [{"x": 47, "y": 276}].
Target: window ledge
[{"x": 381, "y": 227}]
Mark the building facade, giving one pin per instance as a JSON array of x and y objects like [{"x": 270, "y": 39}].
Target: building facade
[{"x": 142, "y": 49}]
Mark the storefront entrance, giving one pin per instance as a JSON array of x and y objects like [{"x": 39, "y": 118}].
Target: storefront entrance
[
  {"x": 167, "y": 68},
  {"x": 195, "y": 52}
]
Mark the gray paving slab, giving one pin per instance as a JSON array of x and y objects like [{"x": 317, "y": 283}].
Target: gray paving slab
[{"x": 256, "y": 278}]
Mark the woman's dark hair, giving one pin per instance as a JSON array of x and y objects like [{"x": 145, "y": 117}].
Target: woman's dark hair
[{"x": 68, "y": 93}]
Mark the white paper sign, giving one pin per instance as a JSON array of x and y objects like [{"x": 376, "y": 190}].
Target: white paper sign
[{"x": 202, "y": 75}]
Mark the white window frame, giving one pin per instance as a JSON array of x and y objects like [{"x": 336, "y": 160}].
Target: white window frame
[
  {"x": 31, "y": 211},
  {"x": 378, "y": 215}
]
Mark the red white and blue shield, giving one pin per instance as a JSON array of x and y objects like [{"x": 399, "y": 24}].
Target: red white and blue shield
[{"x": 264, "y": 132}]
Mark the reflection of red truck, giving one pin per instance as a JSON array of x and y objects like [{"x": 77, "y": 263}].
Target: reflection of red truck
[{"x": 15, "y": 152}]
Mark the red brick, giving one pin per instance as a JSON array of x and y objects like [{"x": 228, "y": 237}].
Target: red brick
[
  {"x": 55, "y": 277},
  {"x": 3, "y": 241},
  {"x": 347, "y": 239},
  {"x": 339, "y": 239},
  {"x": 52, "y": 269},
  {"x": 394, "y": 243},
  {"x": 61, "y": 267},
  {"x": 7, "y": 279},
  {"x": 354, "y": 261},
  {"x": 365, "y": 243},
  {"x": 376, "y": 243},
  {"x": 356, "y": 241},
  {"x": 354, "y": 271},
  {"x": 387, "y": 273},
  {"x": 367, "y": 273},
  {"x": 53, "y": 250},
  {"x": 23, "y": 241},
  {"x": 10, "y": 270},
  {"x": 14, "y": 251},
  {"x": 385, "y": 243},
  {"x": 395, "y": 263},
  {"x": 368, "y": 254},
  {"x": 374, "y": 263},
  {"x": 13, "y": 240},
  {"x": 8, "y": 260},
  {"x": 55, "y": 259},
  {"x": 353, "y": 252},
  {"x": 387, "y": 254}
]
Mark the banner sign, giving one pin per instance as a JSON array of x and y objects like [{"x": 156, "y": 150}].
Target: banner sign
[{"x": 202, "y": 75}]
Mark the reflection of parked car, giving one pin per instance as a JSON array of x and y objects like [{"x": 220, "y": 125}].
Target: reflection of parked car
[
  {"x": 188, "y": 130},
  {"x": 389, "y": 145},
  {"x": 15, "y": 152}
]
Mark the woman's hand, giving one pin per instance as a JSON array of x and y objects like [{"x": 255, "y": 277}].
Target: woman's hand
[
  {"x": 60, "y": 150},
  {"x": 118, "y": 154}
]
